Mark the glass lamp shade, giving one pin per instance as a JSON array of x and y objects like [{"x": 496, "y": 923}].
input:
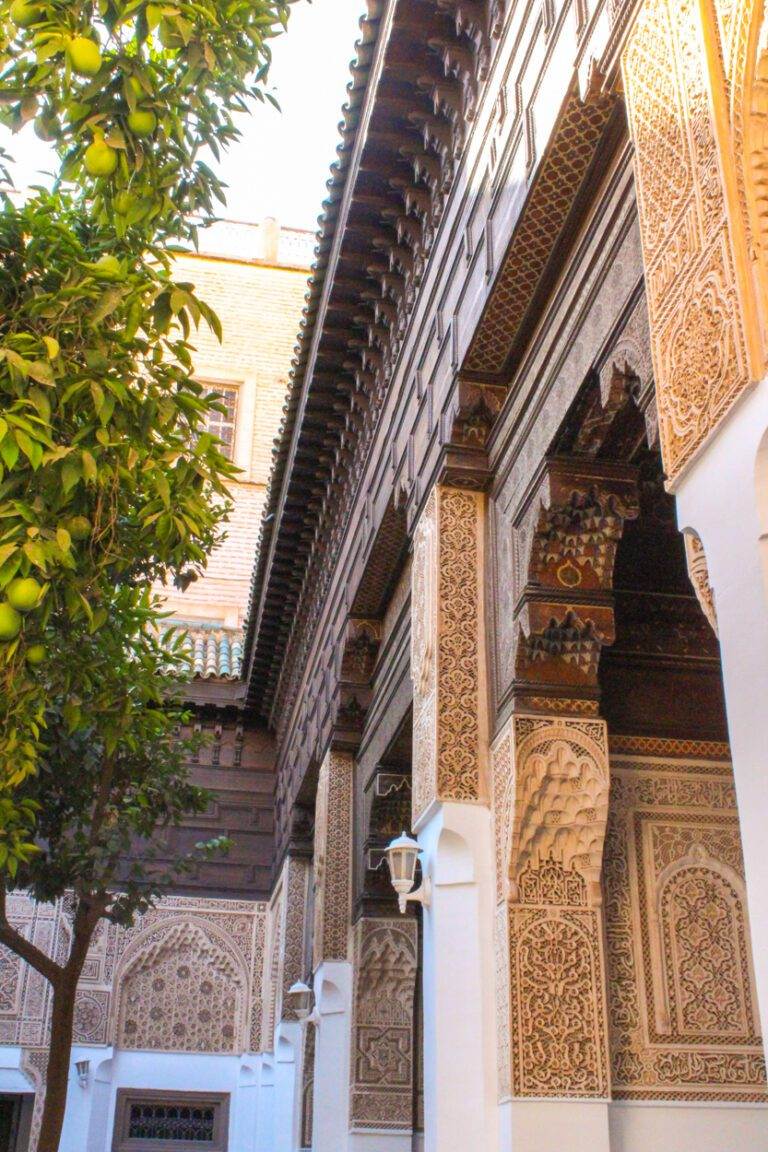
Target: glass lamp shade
[
  {"x": 299, "y": 999},
  {"x": 402, "y": 856}
]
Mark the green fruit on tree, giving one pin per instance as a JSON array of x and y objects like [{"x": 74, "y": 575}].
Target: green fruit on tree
[
  {"x": 36, "y": 654},
  {"x": 23, "y": 593},
  {"x": 142, "y": 122},
  {"x": 10, "y": 622},
  {"x": 123, "y": 203},
  {"x": 79, "y": 527},
  {"x": 24, "y": 13},
  {"x": 84, "y": 55},
  {"x": 100, "y": 159},
  {"x": 108, "y": 267},
  {"x": 46, "y": 127}
]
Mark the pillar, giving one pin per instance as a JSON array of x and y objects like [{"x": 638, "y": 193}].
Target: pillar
[
  {"x": 451, "y": 818},
  {"x": 695, "y": 83},
  {"x": 333, "y": 976}
]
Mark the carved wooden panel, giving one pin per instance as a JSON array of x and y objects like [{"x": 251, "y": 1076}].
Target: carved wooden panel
[
  {"x": 696, "y": 99},
  {"x": 382, "y": 1065},
  {"x": 682, "y": 1007},
  {"x": 447, "y": 661},
  {"x": 332, "y": 867}
]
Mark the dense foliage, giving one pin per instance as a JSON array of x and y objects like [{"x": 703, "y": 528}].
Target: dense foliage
[{"x": 109, "y": 480}]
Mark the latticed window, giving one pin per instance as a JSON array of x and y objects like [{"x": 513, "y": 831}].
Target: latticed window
[
  {"x": 222, "y": 423},
  {"x": 151, "y": 1121},
  {"x": 172, "y": 1122}
]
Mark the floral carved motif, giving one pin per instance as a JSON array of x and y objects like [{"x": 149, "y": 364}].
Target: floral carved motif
[
  {"x": 682, "y": 1011},
  {"x": 558, "y": 1027},
  {"x": 186, "y": 977},
  {"x": 698, "y": 573},
  {"x": 382, "y": 1066},
  {"x": 550, "y": 800},
  {"x": 333, "y": 858},
  {"x": 447, "y": 658},
  {"x": 693, "y": 119}
]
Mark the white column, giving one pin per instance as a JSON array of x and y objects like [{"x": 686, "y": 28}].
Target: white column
[
  {"x": 458, "y": 980},
  {"x": 265, "y": 1118},
  {"x": 287, "y": 1093},
  {"x": 720, "y": 499},
  {"x": 330, "y": 1111}
]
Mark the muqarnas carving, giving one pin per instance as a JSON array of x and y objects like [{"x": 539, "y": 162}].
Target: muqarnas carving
[{"x": 550, "y": 810}]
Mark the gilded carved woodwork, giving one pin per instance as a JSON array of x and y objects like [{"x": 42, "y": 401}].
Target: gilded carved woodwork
[
  {"x": 550, "y": 807},
  {"x": 695, "y": 79},
  {"x": 447, "y": 658},
  {"x": 332, "y": 862},
  {"x": 682, "y": 1007},
  {"x": 565, "y": 537},
  {"x": 382, "y": 1068}
]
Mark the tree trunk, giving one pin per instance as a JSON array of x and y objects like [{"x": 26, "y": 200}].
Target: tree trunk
[{"x": 59, "y": 1056}]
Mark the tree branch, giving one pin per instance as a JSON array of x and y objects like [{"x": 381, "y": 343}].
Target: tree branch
[{"x": 24, "y": 948}]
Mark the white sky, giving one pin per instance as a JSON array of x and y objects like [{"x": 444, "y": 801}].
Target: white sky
[{"x": 280, "y": 165}]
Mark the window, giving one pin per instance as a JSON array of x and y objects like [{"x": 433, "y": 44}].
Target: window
[
  {"x": 153, "y": 1121},
  {"x": 222, "y": 423}
]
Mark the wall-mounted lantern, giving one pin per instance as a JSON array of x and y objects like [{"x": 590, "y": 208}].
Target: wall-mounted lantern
[
  {"x": 402, "y": 857},
  {"x": 299, "y": 998},
  {"x": 83, "y": 1068}
]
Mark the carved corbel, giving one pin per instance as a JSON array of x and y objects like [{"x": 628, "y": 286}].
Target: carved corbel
[
  {"x": 470, "y": 414},
  {"x": 565, "y": 537},
  {"x": 353, "y": 687}
]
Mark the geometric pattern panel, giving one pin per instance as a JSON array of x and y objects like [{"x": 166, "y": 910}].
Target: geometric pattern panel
[
  {"x": 682, "y": 1007},
  {"x": 186, "y": 977},
  {"x": 382, "y": 1066}
]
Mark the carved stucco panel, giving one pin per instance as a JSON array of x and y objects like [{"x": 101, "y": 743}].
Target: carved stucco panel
[
  {"x": 183, "y": 988},
  {"x": 550, "y": 806},
  {"x": 333, "y": 858},
  {"x": 447, "y": 656},
  {"x": 382, "y": 1064},
  {"x": 682, "y": 1006},
  {"x": 699, "y": 127},
  {"x": 561, "y": 798}
]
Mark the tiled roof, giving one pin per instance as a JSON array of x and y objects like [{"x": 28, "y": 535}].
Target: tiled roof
[{"x": 214, "y": 652}]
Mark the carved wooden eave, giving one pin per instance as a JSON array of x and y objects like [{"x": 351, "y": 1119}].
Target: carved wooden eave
[
  {"x": 586, "y": 129},
  {"x": 410, "y": 102}
]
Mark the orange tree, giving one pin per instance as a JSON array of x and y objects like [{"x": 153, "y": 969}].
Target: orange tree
[{"x": 108, "y": 478}]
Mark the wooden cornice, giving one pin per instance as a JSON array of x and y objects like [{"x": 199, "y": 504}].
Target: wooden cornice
[{"x": 412, "y": 95}]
